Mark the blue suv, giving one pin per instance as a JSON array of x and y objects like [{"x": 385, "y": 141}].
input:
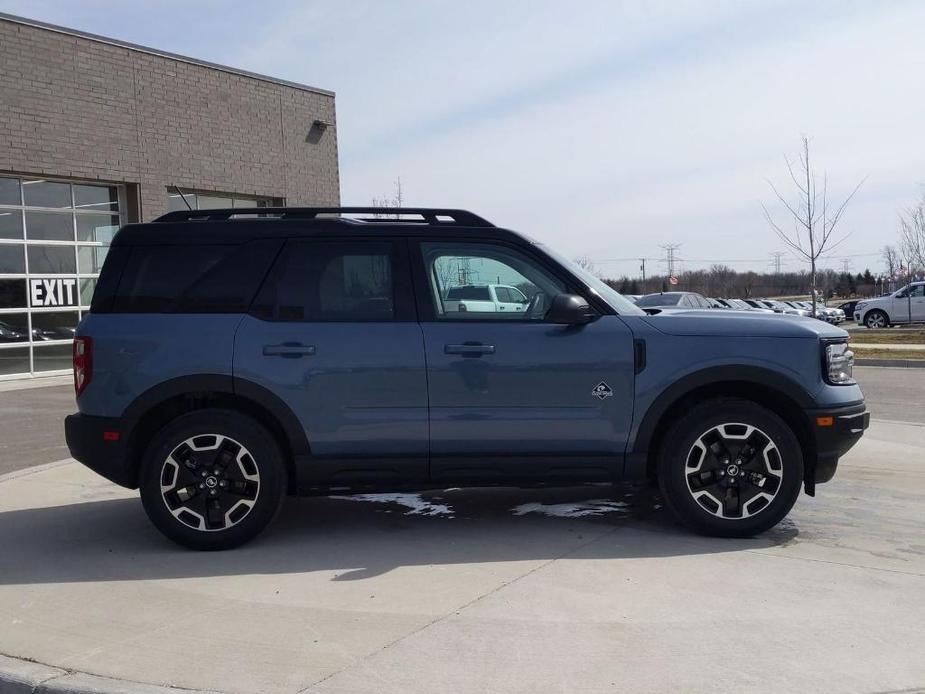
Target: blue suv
[{"x": 232, "y": 357}]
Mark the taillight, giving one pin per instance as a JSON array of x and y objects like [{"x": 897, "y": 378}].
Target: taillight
[{"x": 83, "y": 363}]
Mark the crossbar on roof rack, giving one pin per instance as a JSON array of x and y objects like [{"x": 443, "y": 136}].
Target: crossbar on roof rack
[{"x": 428, "y": 215}]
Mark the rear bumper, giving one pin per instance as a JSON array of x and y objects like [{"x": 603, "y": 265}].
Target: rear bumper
[
  {"x": 834, "y": 440},
  {"x": 99, "y": 443}
]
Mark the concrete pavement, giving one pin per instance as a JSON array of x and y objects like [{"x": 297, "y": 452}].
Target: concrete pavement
[{"x": 478, "y": 591}]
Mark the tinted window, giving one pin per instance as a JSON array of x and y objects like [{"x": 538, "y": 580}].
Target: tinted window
[
  {"x": 468, "y": 292},
  {"x": 192, "y": 279},
  {"x": 659, "y": 300},
  {"x": 329, "y": 281}
]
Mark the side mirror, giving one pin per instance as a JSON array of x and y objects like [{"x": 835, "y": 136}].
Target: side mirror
[{"x": 570, "y": 309}]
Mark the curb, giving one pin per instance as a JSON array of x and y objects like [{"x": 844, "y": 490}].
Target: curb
[
  {"x": 901, "y": 363},
  {"x": 19, "y": 676}
]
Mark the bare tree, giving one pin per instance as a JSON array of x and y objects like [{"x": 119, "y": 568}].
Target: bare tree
[
  {"x": 814, "y": 219},
  {"x": 722, "y": 277},
  {"x": 891, "y": 261},
  {"x": 397, "y": 200},
  {"x": 585, "y": 263},
  {"x": 912, "y": 228}
]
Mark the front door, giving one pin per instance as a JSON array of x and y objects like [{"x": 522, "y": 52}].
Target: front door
[
  {"x": 333, "y": 333},
  {"x": 512, "y": 396}
]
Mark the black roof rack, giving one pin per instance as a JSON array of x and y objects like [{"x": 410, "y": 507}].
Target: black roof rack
[{"x": 381, "y": 215}]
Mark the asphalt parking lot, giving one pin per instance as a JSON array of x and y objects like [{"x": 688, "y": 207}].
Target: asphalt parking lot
[{"x": 503, "y": 590}]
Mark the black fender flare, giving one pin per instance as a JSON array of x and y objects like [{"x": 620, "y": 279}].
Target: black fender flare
[
  {"x": 224, "y": 384},
  {"x": 766, "y": 379}
]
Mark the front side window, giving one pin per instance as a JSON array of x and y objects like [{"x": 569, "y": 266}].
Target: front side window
[
  {"x": 461, "y": 276},
  {"x": 330, "y": 281}
]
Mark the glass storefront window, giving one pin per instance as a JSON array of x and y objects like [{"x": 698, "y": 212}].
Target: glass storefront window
[
  {"x": 14, "y": 361},
  {"x": 202, "y": 201},
  {"x": 100, "y": 198},
  {"x": 97, "y": 227},
  {"x": 12, "y": 294},
  {"x": 12, "y": 259},
  {"x": 51, "y": 260},
  {"x": 52, "y": 358},
  {"x": 54, "y": 325},
  {"x": 46, "y": 194},
  {"x": 14, "y": 327},
  {"x": 60, "y": 231},
  {"x": 9, "y": 191},
  {"x": 90, "y": 259},
  {"x": 213, "y": 202},
  {"x": 10, "y": 224},
  {"x": 49, "y": 226},
  {"x": 86, "y": 291}
]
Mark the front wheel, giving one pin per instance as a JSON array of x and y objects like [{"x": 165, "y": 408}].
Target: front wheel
[
  {"x": 876, "y": 320},
  {"x": 212, "y": 479},
  {"x": 730, "y": 468}
]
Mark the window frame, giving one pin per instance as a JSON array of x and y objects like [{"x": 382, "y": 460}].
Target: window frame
[
  {"x": 424, "y": 291},
  {"x": 403, "y": 300}
]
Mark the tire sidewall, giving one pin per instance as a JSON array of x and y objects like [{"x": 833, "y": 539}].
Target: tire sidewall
[
  {"x": 681, "y": 437},
  {"x": 263, "y": 449}
]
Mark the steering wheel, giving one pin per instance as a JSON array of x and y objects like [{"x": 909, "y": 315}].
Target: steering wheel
[{"x": 533, "y": 305}]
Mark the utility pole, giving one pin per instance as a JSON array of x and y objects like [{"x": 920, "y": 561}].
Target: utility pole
[{"x": 643, "y": 268}]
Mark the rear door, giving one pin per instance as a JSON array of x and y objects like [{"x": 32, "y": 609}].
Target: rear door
[
  {"x": 333, "y": 333},
  {"x": 512, "y": 396}
]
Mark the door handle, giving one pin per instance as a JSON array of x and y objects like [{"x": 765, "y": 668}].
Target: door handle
[
  {"x": 289, "y": 350},
  {"x": 469, "y": 349}
]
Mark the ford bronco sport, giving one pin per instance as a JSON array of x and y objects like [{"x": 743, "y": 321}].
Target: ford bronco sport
[{"x": 231, "y": 358}]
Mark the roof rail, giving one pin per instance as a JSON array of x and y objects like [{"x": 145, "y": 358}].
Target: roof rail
[{"x": 427, "y": 215}]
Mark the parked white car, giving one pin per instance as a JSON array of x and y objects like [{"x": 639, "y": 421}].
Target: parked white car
[
  {"x": 906, "y": 305},
  {"x": 485, "y": 298}
]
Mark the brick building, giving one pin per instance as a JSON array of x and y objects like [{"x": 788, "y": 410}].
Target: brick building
[{"x": 95, "y": 133}]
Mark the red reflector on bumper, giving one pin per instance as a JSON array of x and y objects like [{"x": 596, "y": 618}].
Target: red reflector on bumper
[
  {"x": 825, "y": 421},
  {"x": 110, "y": 436}
]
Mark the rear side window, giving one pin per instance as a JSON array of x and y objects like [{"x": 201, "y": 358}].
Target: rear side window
[
  {"x": 193, "y": 279},
  {"x": 330, "y": 281}
]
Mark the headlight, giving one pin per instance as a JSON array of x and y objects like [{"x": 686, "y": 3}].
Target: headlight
[{"x": 838, "y": 363}]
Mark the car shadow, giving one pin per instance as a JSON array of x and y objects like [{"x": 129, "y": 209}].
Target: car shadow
[{"x": 360, "y": 537}]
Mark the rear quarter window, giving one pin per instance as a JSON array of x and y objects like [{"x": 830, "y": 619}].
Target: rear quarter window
[{"x": 193, "y": 278}]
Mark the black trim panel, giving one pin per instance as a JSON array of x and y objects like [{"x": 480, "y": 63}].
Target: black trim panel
[{"x": 84, "y": 436}]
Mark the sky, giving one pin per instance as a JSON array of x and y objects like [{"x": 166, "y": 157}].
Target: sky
[{"x": 603, "y": 129}]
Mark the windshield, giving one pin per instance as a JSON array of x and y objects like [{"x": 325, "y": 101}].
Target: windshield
[
  {"x": 659, "y": 300},
  {"x": 615, "y": 299}
]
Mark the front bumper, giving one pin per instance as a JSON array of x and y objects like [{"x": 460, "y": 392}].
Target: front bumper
[
  {"x": 100, "y": 444},
  {"x": 835, "y": 430}
]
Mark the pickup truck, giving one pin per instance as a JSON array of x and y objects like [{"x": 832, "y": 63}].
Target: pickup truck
[{"x": 485, "y": 298}]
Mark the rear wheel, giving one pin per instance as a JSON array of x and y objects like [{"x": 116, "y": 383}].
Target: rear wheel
[
  {"x": 212, "y": 479},
  {"x": 876, "y": 320},
  {"x": 730, "y": 468}
]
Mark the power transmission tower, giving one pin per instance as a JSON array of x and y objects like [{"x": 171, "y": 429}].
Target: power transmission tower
[
  {"x": 846, "y": 264},
  {"x": 775, "y": 261},
  {"x": 671, "y": 256}
]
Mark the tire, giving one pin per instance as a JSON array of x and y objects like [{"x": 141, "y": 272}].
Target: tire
[
  {"x": 696, "y": 484},
  {"x": 876, "y": 319},
  {"x": 212, "y": 479}
]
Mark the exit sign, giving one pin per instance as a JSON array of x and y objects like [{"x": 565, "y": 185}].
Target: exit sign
[{"x": 45, "y": 292}]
